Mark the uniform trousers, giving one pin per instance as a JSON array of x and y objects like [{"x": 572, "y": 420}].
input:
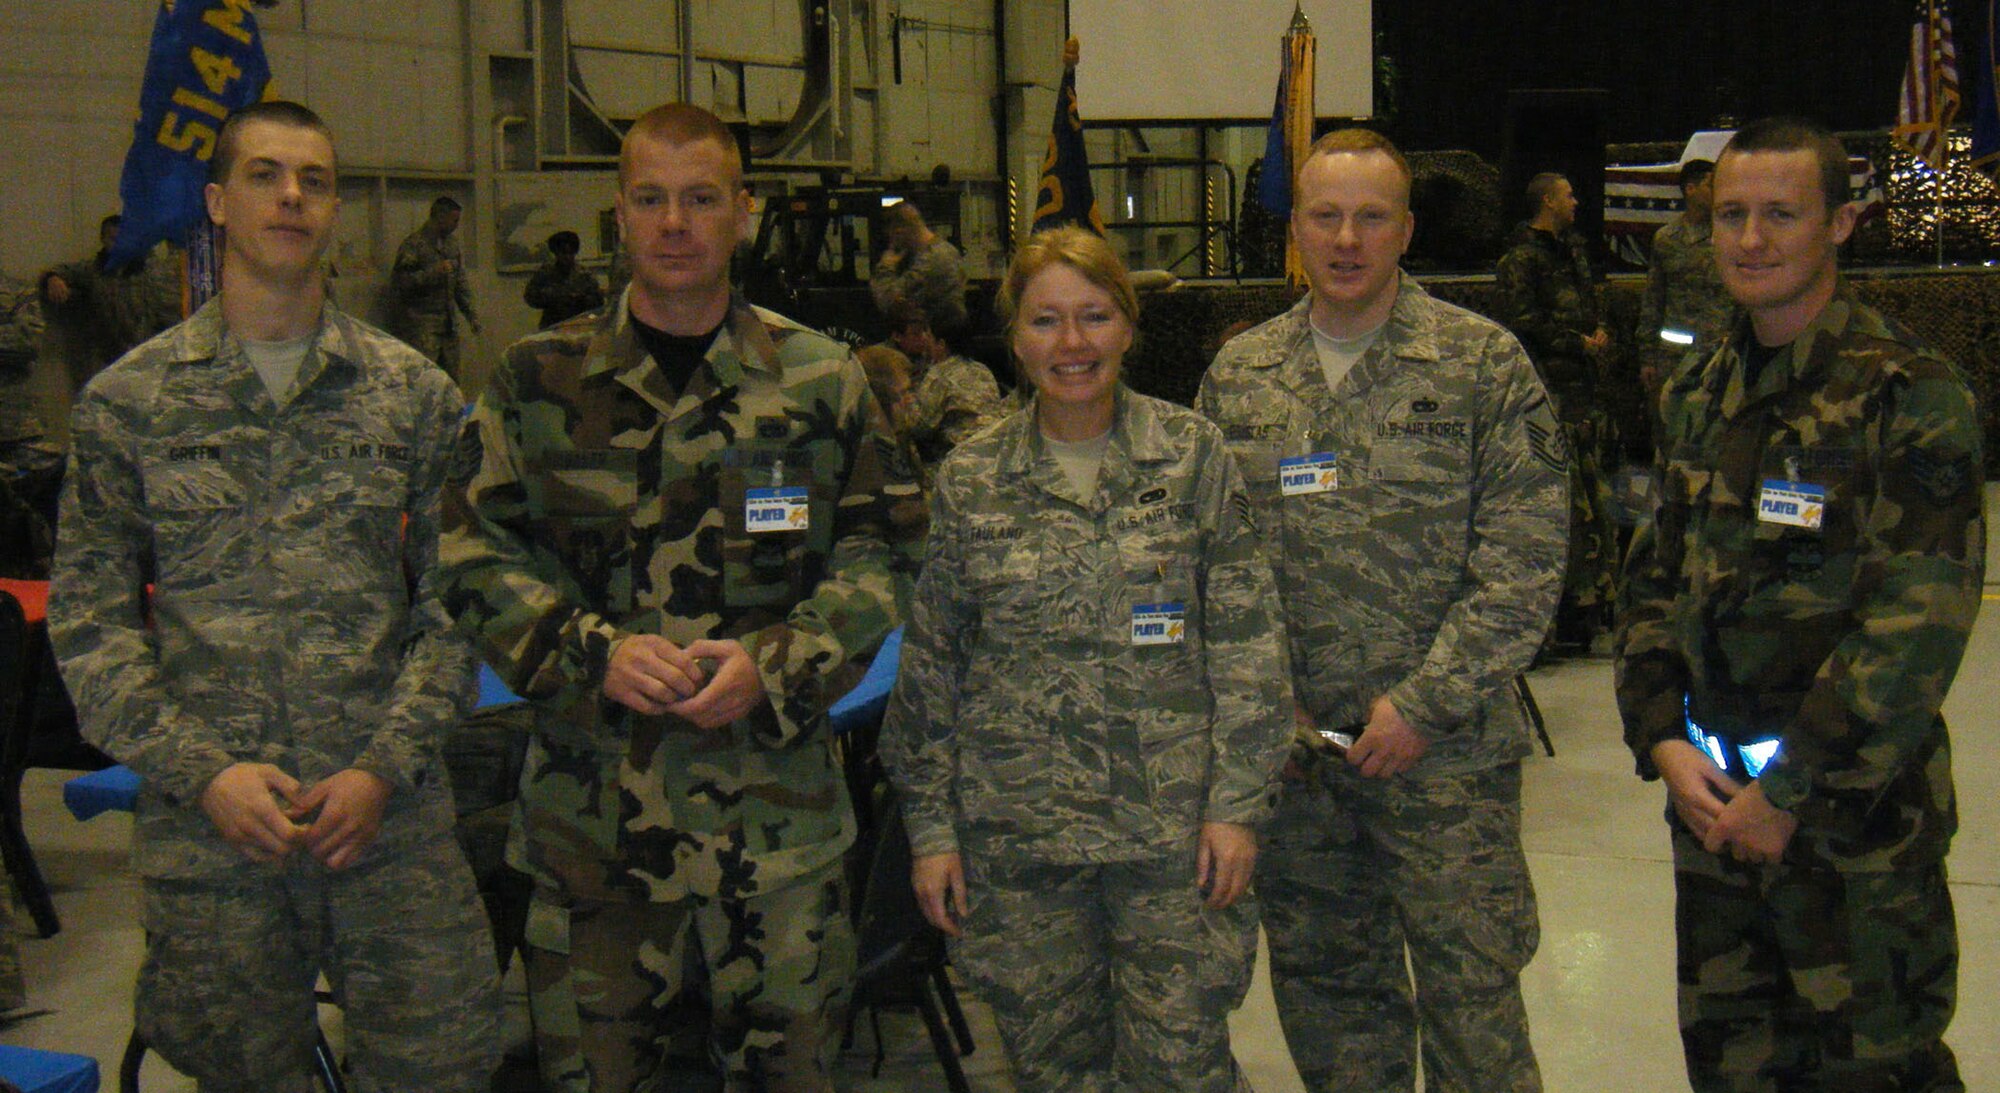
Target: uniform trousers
[
  {"x": 1357, "y": 871},
  {"x": 1108, "y": 978},
  {"x": 606, "y": 982},
  {"x": 1795, "y": 978},
  {"x": 226, "y": 989}
]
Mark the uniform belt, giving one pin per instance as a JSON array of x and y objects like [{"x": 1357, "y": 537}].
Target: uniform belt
[{"x": 1743, "y": 758}]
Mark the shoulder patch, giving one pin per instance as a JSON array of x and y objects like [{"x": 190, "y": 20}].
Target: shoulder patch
[{"x": 1549, "y": 446}]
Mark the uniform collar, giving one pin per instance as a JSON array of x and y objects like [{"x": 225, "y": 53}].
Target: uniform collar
[
  {"x": 1802, "y": 363},
  {"x": 743, "y": 346},
  {"x": 1410, "y": 334},
  {"x": 1138, "y": 443},
  {"x": 204, "y": 340}
]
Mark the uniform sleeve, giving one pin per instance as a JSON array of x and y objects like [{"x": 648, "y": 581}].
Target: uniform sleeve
[
  {"x": 1248, "y": 671},
  {"x": 920, "y": 730},
  {"x": 960, "y": 405},
  {"x": 1650, "y": 675},
  {"x": 461, "y": 289},
  {"x": 1652, "y": 303},
  {"x": 879, "y": 523},
  {"x": 97, "y": 615},
  {"x": 1519, "y": 542},
  {"x": 435, "y": 685},
  {"x": 525, "y": 617},
  {"x": 1873, "y": 709},
  {"x": 1528, "y": 309}
]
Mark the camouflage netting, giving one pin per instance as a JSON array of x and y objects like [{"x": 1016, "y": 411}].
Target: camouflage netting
[{"x": 1956, "y": 312}]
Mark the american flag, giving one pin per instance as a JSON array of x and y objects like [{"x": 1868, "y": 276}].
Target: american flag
[{"x": 1930, "y": 97}]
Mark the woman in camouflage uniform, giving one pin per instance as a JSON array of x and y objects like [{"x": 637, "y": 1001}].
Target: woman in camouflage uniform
[{"x": 1093, "y": 706}]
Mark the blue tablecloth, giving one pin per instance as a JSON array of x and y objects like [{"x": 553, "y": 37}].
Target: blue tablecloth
[
  {"x": 48, "y": 1071},
  {"x": 117, "y": 788}
]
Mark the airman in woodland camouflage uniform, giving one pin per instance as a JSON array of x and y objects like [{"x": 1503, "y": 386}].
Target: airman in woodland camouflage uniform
[
  {"x": 677, "y": 535},
  {"x": 1684, "y": 292},
  {"x": 1807, "y": 585},
  {"x": 1549, "y": 300},
  {"x": 1090, "y": 715},
  {"x": 283, "y": 689},
  {"x": 429, "y": 283},
  {"x": 1407, "y": 476},
  {"x": 919, "y": 271}
]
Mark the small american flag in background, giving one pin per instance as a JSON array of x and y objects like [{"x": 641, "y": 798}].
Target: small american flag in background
[{"x": 1930, "y": 98}]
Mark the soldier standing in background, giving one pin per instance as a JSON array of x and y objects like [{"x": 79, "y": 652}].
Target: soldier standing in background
[
  {"x": 112, "y": 310},
  {"x": 1548, "y": 298},
  {"x": 919, "y": 269},
  {"x": 30, "y": 463},
  {"x": 1794, "y": 613},
  {"x": 430, "y": 289},
  {"x": 560, "y": 287},
  {"x": 1686, "y": 310},
  {"x": 678, "y": 536},
  {"x": 1407, "y": 475},
  {"x": 271, "y": 468}
]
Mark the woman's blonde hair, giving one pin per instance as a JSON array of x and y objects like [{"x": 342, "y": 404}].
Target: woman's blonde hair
[{"x": 1081, "y": 250}]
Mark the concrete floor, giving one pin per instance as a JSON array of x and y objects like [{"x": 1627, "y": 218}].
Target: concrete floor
[{"x": 1600, "y": 994}]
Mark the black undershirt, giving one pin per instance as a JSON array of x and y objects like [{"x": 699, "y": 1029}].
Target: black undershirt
[
  {"x": 677, "y": 355},
  {"x": 1756, "y": 355}
]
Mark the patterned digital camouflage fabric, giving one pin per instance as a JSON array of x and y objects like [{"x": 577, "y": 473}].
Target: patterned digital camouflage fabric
[
  {"x": 1549, "y": 300},
  {"x": 293, "y": 620},
  {"x": 20, "y": 343},
  {"x": 954, "y": 399},
  {"x": 1419, "y": 560},
  {"x": 1837, "y": 630},
  {"x": 1684, "y": 293},
  {"x": 428, "y": 302},
  {"x": 600, "y": 504},
  {"x": 1085, "y": 681},
  {"x": 932, "y": 281},
  {"x": 1457, "y": 894}
]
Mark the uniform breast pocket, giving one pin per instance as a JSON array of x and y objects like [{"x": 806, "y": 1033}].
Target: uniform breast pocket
[
  {"x": 191, "y": 502},
  {"x": 777, "y": 516},
  {"x": 1003, "y": 574},
  {"x": 586, "y": 500},
  {"x": 363, "y": 502}
]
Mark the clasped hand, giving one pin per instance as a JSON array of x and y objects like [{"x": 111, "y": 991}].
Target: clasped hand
[
  {"x": 653, "y": 676},
  {"x": 266, "y": 814},
  {"x": 1726, "y": 815}
]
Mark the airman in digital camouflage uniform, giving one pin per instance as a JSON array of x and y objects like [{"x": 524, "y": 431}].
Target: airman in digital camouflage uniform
[
  {"x": 30, "y": 463},
  {"x": 1684, "y": 292},
  {"x": 271, "y": 467},
  {"x": 429, "y": 283},
  {"x": 1092, "y": 707},
  {"x": 1800, "y": 601},
  {"x": 679, "y": 536},
  {"x": 1549, "y": 300},
  {"x": 1407, "y": 475},
  {"x": 952, "y": 397}
]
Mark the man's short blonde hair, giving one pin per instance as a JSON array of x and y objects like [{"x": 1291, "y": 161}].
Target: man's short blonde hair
[
  {"x": 1355, "y": 140},
  {"x": 679, "y": 123}
]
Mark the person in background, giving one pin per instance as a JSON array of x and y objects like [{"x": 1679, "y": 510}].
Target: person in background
[
  {"x": 246, "y": 607},
  {"x": 919, "y": 269},
  {"x": 1092, "y": 706},
  {"x": 109, "y": 311},
  {"x": 1686, "y": 311},
  {"x": 430, "y": 289},
  {"x": 952, "y": 397},
  {"x": 561, "y": 288}
]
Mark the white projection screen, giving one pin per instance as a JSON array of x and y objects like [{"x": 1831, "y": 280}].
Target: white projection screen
[{"x": 1200, "y": 60}]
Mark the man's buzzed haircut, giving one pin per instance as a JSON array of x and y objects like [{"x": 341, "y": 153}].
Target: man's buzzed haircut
[
  {"x": 445, "y": 203},
  {"x": 1788, "y": 134},
  {"x": 1540, "y": 187},
  {"x": 1694, "y": 170},
  {"x": 679, "y": 123},
  {"x": 1356, "y": 140},
  {"x": 278, "y": 111}
]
